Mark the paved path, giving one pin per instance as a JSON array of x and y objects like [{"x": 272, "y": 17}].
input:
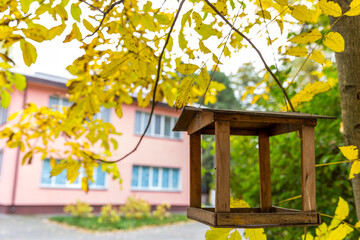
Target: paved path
[{"x": 39, "y": 228}]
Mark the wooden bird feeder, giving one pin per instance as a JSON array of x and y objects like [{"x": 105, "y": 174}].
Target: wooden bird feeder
[{"x": 222, "y": 124}]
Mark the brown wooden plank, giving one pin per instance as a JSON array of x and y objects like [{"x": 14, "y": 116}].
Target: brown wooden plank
[
  {"x": 270, "y": 219},
  {"x": 237, "y": 210},
  {"x": 308, "y": 183},
  {"x": 262, "y": 119},
  {"x": 280, "y": 209},
  {"x": 222, "y": 161},
  {"x": 195, "y": 170},
  {"x": 278, "y": 129},
  {"x": 265, "y": 172},
  {"x": 239, "y": 132},
  {"x": 200, "y": 121},
  {"x": 201, "y": 215}
]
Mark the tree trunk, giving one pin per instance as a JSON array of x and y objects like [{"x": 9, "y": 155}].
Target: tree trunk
[{"x": 348, "y": 64}]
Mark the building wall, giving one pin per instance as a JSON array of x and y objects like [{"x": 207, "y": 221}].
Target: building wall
[{"x": 152, "y": 152}]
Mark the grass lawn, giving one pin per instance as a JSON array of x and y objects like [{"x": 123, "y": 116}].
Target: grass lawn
[{"x": 124, "y": 224}]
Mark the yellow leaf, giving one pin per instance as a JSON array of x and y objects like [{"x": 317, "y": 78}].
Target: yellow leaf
[
  {"x": 85, "y": 184},
  {"x": 282, "y": 2},
  {"x": 29, "y": 52},
  {"x": 235, "y": 235},
  {"x": 308, "y": 236},
  {"x": 264, "y": 14},
  {"x": 335, "y": 41},
  {"x": 111, "y": 68},
  {"x": 221, "y": 6},
  {"x": 341, "y": 212},
  {"x": 203, "y": 48},
  {"x": 187, "y": 69},
  {"x": 75, "y": 12},
  {"x": 355, "y": 169},
  {"x": 297, "y": 51},
  {"x": 57, "y": 169},
  {"x": 56, "y": 31},
  {"x": 255, "y": 99},
  {"x": 340, "y": 232},
  {"x": 207, "y": 31},
  {"x": 182, "y": 41},
  {"x": 203, "y": 78},
  {"x": 350, "y": 152},
  {"x": 330, "y": 8},
  {"x": 302, "y": 13},
  {"x": 75, "y": 33},
  {"x": 88, "y": 26},
  {"x": 25, "y": 5},
  {"x": 20, "y": 81},
  {"x": 218, "y": 233},
  {"x": 257, "y": 234},
  {"x": 238, "y": 203},
  {"x": 73, "y": 171},
  {"x": 280, "y": 24},
  {"x": 307, "y": 37},
  {"x": 318, "y": 57},
  {"x": 354, "y": 8},
  {"x": 184, "y": 92},
  {"x": 13, "y": 116}
]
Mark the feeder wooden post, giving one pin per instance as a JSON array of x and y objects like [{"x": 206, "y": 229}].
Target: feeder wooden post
[
  {"x": 195, "y": 170},
  {"x": 222, "y": 161},
  {"x": 265, "y": 172},
  {"x": 308, "y": 184}
]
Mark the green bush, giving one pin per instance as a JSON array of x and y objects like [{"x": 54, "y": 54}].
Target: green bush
[
  {"x": 161, "y": 211},
  {"x": 136, "y": 208},
  {"x": 108, "y": 214},
  {"x": 80, "y": 209}
]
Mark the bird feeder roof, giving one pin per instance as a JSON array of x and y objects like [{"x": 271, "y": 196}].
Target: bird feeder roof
[{"x": 244, "y": 122}]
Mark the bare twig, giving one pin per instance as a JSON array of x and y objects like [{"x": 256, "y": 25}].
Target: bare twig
[
  {"x": 104, "y": 16},
  {"x": 92, "y": 6},
  {"x": 154, "y": 91},
  {"x": 160, "y": 7},
  {"x": 255, "y": 48}
]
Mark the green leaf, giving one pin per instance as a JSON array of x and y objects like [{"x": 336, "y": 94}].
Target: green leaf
[
  {"x": 187, "y": 69},
  {"x": 307, "y": 37},
  {"x": 75, "y": 12},
  {"x": 20, "y": 81},
  {"x": 302, "y": 13},
  {"x": 217, "y": 233},
  {"x": 29, "y": 52},
  {"x": 354, "y": 8},
  {"x": 5, "y": 99},
  {"x": 184, "y": 92},
  {"x": 330, "y": 8},
  {"x": 335, "y": 41}
]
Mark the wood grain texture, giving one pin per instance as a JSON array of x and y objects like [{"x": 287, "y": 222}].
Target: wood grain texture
[
  {"x": 265, "y": 172},
  {"x": 308, "y": 184},
  {"x": 200, "y": 121},
  {"x": 222, "y": 161},
  {"x": 278, "y": 129},
  {"x": 202, "y": 216},
  {"x": 195, "y": 170}
]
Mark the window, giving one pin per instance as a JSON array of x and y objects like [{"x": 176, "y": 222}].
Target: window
[
  {"x": 57, "y": 103},
  {"x": 3, "y": 115},
  {"x": 155, "y": 178},
  {"x": 60, "y": 180},
  {"x": 1, "y": 157},
  {"x": 160, "y": 126}
]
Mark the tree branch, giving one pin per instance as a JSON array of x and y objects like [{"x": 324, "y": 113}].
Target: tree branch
[
  {"x": 92, "y": 6},
  {"x": 104, "y": 16},
  {"x": 154, "y": 91},
  {"x": 255, "y": 48}
]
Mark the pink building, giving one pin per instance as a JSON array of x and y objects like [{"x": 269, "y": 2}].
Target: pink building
[{"x": 156, "y": 172}]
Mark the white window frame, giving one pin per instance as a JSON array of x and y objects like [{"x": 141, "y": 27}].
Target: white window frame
[
  {"x": 3, "y": 115},
  {"x": 152, "y": 133},
  {"x": 69, "y": 185},
  {"x": 158, "y": 188},
  {"x": 1, "y": 161}
]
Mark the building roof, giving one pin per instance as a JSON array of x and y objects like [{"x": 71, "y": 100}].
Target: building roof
[
  {"x": 46, "y": 79},
  {"x": 244, "y": 122}
]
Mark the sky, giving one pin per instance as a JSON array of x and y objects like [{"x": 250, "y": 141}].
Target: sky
[{"x": 54, "y": 56}]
